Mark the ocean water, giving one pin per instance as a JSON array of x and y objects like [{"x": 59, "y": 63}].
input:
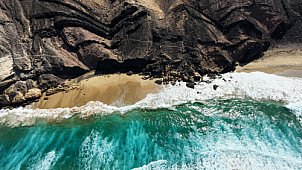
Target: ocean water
[{"x": 252, "y": 121}]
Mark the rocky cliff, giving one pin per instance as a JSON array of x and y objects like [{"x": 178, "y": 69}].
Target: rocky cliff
[{"x": 43, "y": 42}]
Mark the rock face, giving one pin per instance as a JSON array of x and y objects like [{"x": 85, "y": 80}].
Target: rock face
[{"x": 43, "y": 42}]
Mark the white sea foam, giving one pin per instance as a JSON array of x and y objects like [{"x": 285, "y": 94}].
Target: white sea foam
[
  {"x": 220, "y": 150},
  {"x": 256, "y": 85},
  {"x": 160, "y": 164},
  {"x": 228, "y": 159},
  {"x": 48, "y": 161}
]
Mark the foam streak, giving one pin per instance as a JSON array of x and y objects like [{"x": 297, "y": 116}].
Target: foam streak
[{"x": 256, "y": 85}]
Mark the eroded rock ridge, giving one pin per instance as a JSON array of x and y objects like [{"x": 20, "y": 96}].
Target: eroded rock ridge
[{"x": 43, "y": 42}]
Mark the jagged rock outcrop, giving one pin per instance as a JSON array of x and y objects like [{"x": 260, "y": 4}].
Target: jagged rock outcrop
[{"x": 47, "y": 41}]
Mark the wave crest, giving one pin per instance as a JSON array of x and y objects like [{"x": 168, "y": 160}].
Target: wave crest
[{"x": 256, "y": 85}]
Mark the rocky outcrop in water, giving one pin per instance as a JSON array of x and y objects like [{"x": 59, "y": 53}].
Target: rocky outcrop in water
[{"x": 43, "y": 42}]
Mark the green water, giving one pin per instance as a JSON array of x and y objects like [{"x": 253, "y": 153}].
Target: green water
[{"x": 219, "y": 134}]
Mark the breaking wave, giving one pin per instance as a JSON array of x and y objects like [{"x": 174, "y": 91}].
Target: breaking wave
[{"x": 256, "y": 85}]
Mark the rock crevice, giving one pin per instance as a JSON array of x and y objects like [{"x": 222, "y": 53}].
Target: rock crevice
[{"x": 43, "y": 40}]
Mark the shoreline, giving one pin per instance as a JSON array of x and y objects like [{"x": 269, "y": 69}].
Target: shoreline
[
  {"x": 114, "y": 89},
  {"x": 122, "y": 89},
  {"x": 283, "y": 61}
]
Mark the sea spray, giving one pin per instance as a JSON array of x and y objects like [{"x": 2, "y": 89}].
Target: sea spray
[
  {"x": 238, "y": 133},
  {"x": 256, "y": 85}
]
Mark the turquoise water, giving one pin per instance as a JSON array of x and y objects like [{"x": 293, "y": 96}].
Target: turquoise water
[{"x": 221, "y": 134}]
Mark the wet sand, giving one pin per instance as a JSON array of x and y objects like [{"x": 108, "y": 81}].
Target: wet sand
[
  {"x": 121, "y": 90},
  {"x": 116, "y": 89},
  {"x": 283, "y": 61}
]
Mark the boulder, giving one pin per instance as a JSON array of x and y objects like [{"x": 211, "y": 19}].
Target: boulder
[
  {"x": 47, "y": 81},
  {"x": 190, "y": 85},
  {"x": 4, "y": 100},
  {"x": 33, "y": 93},
  {"x": 42, "y": 43},
  {"x": 16, "y": 97}
]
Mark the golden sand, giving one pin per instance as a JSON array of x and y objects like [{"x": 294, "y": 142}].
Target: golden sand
[
  {"x": 120, "y": 89},
  {"x": 116, "y": 89},
  {"x": 285, "y": 61}
]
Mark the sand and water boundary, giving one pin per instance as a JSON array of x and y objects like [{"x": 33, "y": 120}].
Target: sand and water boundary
[
  {"x": 114, "y": 89},
  {"x": 122, "y": 90}
]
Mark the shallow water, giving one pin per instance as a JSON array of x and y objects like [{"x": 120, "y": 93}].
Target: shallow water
[
  {"x": 252, "y": 121},
  {"x": 215, "y": 134}
]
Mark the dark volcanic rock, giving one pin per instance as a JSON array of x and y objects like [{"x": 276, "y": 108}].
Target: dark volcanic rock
[
  {"x": 47, "y": 81},
  {"x": 47, "y": 41},
  {"x": 190, "y": 85},
  {"x": 215, "y": 87},
  {"x": 158, "y": 81}
]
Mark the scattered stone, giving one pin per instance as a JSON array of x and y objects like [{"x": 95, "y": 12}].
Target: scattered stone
[
  {"x": 4, "y": 99},
  {"x": 196, "y": 78},
  {"x": 165, "y": 79},
  {"x": 191, "y": 80},
  {"x": 51, "y": 92},
  {"x": 176, "y": 61},
  {"x": 129, "y": 73},
  {"x": 190, "y": 85},
  {"x": 47, "y": 81},
  {"x": 33, "y": 93},
  {"x": 174, "y": 73},
  {"x": 212, "y": 76},
  {"x": 46, "y": 98},
  {"x": 16, "y": 97},
  {"x": 19, "y": 86},
  {"x": 215, "y": 87},
  {"x": 185, "y": 79},
  {"x": 158, "y": 81},
  {"x": 173, "y": 83},
  {"x": 156, "y": 49},
  {"x": 31, "y": 84}
]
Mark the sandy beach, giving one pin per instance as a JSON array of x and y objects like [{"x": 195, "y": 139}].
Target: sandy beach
[
  {"x": 116, "y": 89},
  {"x": 121, "y": 89},
  {"x": 283, "y": 61}
]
